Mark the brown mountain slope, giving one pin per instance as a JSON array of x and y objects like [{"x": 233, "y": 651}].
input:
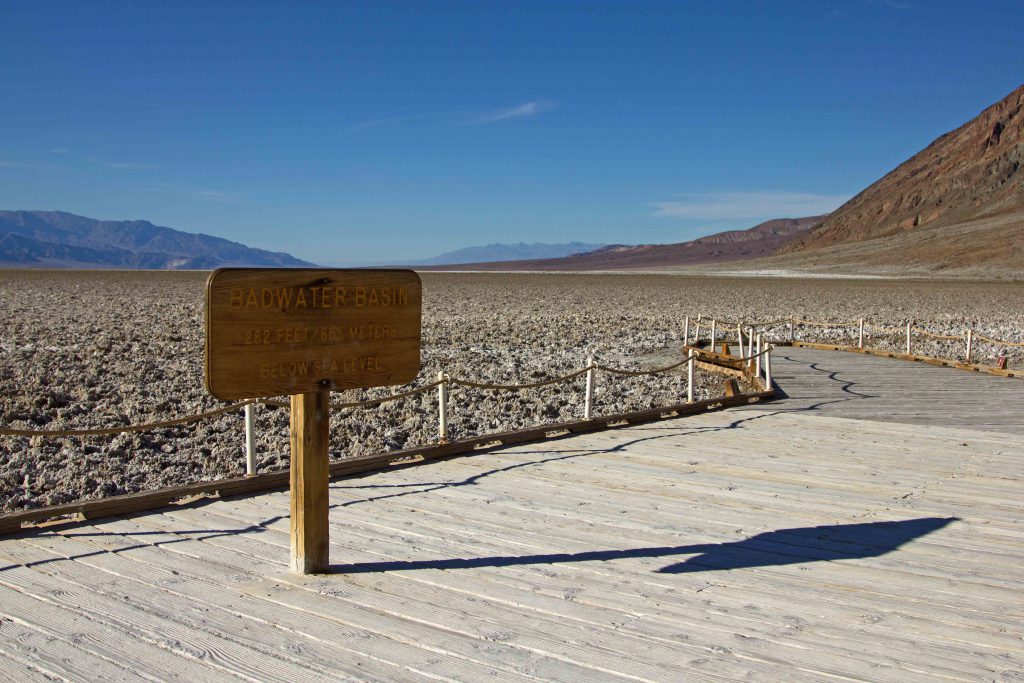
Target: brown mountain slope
[
  {"x": 733, "y": 245},
  {"x": 974, "y": 172}
]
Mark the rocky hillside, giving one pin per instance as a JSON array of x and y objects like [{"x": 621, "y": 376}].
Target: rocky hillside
[
  {"x": 974, "y": 173},
  {"x": 41, "y": 239},
  {"x": 733, "y": 245}
]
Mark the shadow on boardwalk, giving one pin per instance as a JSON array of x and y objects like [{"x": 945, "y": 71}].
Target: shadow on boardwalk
[{"x": 772, "y": 548}]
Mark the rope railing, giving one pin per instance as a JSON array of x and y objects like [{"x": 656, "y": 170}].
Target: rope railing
[
  {"x": 637, "y": 373},
  {"x": 359, "y": 404},
  {"x": 148, "y": 426},
  {"x": 884, "y": 330},
  {"x": 763, "y": 352},
  {"x": 864, "y": 329},
  {"x": 442, "y": 383},
  {"x": 947, "y": 337},
  {"x": 516, "y": 387},
  {"x": 999, "y": 342},
  {"x": 816, "y": 323},
  {"x": 868, "y": 329}
]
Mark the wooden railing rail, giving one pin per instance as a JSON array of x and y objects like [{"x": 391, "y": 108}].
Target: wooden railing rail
[{"x": 256, "y": 482}]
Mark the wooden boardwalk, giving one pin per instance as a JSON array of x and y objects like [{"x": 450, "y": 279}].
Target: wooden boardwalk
[
  {"x": 864, "y": 387},
  {"x": 779, "y": 543}
]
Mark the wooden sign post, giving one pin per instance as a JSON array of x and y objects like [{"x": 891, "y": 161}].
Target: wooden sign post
[{"x": 305, "y": 333}]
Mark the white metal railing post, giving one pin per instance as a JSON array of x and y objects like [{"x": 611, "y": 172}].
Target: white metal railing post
[
  {"x": 860, "y": 335},
  {"x": 970, "y": 344},
  {"x": 757, "y": 360},
  {"x": 689, "y": 377},
  {"x": 909, "y": 323},
  {"x": 442, "y": 407},
  {"x": 714, "y": 333},
  {"x": 768, "y": 369},
  {"x": 686, "y": 332},
  {"x": 250, "y": 439},
  {"x": 739, "y": 336},
  {"x": 588, "y": 404},
  {"x": 792, "y": 331}
]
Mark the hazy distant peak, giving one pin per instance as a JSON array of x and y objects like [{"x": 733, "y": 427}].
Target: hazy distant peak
[
  {"x": 732, "y": 245},
  {"x": 507, "y": 252}
]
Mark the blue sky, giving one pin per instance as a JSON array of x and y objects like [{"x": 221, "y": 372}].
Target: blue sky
[{"x": 345, "y": 132}]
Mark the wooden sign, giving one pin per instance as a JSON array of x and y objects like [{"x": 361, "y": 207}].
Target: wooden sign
[
  {"x": 294, "y": 331},
  {"x": 306, "y": 333}
]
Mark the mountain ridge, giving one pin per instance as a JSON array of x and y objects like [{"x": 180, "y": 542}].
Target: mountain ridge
[
  {"x": 58, "y": 239},
  {"x": 731, "y": 245},
  {"x": 499, "y": 251},
  {"x": 975, "y": 171}
]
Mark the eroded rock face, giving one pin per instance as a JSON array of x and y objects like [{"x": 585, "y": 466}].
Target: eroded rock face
[
  {"x": 971, "y": 172},
  {"x": 99, "y": 349}
]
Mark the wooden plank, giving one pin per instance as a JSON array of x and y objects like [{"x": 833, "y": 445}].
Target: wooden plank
[
  {"x": 887, "y": 390},
  {"x": 28, "y": 654},
  {"x": 31, "y": 603},
  {"x": 162, "y": 584},
  {"x": 589, "y": 645},
  {"x": 366, "y": 542},
  {"x": 310, "y": 440},
  {"x": 400, "y": 639},
  {"x": 369, "y": 541},
  {"x": 915, "y": 614},
  {"x": 15, "y": 668}
]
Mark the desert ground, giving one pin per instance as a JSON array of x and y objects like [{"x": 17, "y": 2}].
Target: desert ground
[{"x": 84, "y": 349}]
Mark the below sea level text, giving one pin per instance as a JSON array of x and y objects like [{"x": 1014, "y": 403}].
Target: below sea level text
[{"x": 316, "y": 368}]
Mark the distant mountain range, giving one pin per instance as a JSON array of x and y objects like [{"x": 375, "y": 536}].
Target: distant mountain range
[
  {"x": 732, "y": 245},
  {"x": 55, "y": 239},
  {"x": 507, "y": 252},
  {"x": 955, "y": 208}
]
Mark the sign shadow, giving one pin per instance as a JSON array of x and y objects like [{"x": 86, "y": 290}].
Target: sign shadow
[{"x": 796, "y": 545}]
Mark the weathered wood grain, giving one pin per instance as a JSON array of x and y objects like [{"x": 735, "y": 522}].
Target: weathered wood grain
[
  {"x": 776, "y": 543},
  {"x": 310, "y": 441},
  {"x": 869, "y": 387},
  {"x": 273, "y": 331}
]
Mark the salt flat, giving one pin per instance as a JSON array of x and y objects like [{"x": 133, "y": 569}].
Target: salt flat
[
  {"x": 771, "y": 543},
  {"x": 100, "y": 349}
]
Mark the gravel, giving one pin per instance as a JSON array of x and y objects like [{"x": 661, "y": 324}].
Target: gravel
[{"x": 81, "y": 349}]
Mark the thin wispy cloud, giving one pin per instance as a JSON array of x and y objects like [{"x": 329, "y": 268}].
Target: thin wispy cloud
[
  {"x": 520, "y": 111},
  {"x": 735, "y": 205},
  {"x": 129, "y": 165},
  {"x": 60, "y": 150},
  {"x": 455, "y": 118}
]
